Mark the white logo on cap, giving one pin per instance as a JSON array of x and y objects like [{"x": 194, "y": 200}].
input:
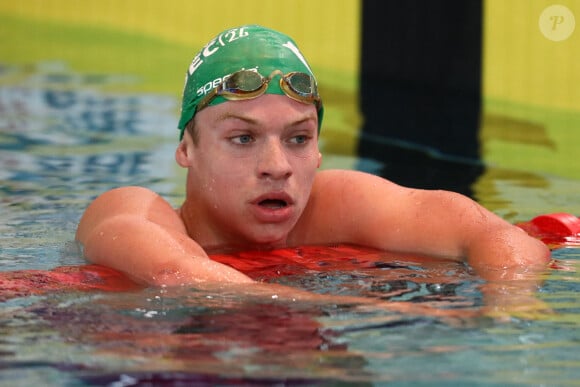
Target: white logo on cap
[{"x": 296, "y": 52}]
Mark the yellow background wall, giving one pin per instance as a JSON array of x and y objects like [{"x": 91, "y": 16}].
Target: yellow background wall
[
  {"x": 521, "y": 64},
  {"x": 531, "y": 118},
  {"x": 326, "y": 30},
  {"x": 156, "y": 40}
]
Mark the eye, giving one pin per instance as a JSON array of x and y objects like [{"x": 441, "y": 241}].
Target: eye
[
  {"x": 242, "y": 139},
  {"x": 299, "y": 139}
]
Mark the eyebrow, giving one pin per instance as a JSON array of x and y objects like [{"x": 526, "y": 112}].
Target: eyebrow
[{"x": 228, "y": 115}]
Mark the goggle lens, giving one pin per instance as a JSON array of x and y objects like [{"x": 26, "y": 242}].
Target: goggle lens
[
  {"x": 301, "y": 83},
  {"x": 242, "y": 82}
]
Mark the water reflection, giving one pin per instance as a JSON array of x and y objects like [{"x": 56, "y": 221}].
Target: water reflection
[{"x": 65, "y": 138}]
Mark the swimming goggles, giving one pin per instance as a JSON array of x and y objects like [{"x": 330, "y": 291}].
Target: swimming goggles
[{"x": 248, "y": 84}]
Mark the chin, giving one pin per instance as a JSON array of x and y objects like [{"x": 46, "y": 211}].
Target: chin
[{"x": 269, "y": 240}]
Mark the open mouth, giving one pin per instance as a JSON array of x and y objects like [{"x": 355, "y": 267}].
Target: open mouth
[{"x": 273, "y": 203}]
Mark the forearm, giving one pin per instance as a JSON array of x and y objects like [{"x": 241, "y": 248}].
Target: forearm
[
  {"x": 456, "y": 227},
  {"x": 469, "y": 231},
  {"x": 505, "y": 253},
  {"x": 153, "y": 255}
]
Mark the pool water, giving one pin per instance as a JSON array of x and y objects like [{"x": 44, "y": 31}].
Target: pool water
[{"x": 64, "y": 140}]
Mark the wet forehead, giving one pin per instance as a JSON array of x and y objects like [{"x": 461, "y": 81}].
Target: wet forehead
[{"x": 267, "y": 109}]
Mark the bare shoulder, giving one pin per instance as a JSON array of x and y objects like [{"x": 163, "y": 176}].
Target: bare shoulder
[
  {"x": 369, "y": 196},
  {"x": 350, "y": 181},
  {"x": 128, "y": 201},
  {"x": 342, "y": 204},
  {"x": 131, "y": 199}
]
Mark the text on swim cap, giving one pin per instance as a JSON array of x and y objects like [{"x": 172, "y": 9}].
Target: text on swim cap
[
  {"x": 214, "y": 45},
  {"x": 203, "y": 90},
  {"x": 211, "y": 85}
]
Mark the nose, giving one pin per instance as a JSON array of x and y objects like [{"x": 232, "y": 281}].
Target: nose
[{"x": 273, "y": 161}]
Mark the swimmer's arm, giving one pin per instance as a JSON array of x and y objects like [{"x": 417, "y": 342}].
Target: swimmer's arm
[
  {"x": 135, "y": 231},
  {"x": 374, "y": 212},
  {"x": 453, "y": 225}
]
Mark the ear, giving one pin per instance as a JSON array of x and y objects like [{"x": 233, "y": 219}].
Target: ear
[
  {"x": 319, "y": 160},
  {"x": 184, "y": 150}
]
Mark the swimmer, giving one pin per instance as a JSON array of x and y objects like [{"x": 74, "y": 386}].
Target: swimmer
[{"x": 250, "y": 120}]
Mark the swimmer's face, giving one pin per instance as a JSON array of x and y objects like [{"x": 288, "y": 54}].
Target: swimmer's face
[{"x": 252, "y": 169}]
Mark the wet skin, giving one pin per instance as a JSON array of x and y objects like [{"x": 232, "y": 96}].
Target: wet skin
[{"x": 253, "y": 183}]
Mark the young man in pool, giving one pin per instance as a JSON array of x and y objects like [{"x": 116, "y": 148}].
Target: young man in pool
[{"x": 249, "y": 124}]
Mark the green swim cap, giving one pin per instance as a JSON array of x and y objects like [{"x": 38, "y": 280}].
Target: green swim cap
[{"x": 246, "y": 47}]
